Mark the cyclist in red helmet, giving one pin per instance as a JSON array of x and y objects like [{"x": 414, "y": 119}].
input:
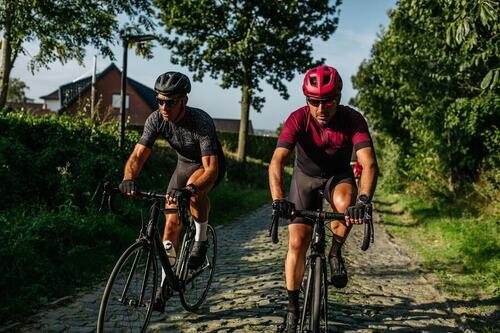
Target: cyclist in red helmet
[{"x": 325, "y": 134}]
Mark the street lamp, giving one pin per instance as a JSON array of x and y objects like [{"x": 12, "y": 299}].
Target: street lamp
[{"x": 127, "y": 38}]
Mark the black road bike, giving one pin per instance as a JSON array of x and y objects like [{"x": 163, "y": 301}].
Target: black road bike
[
  {"x": 127, "y": 302},
  {"x": 314, "y": 314}
]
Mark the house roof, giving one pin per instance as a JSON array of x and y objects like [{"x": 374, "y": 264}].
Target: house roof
[
  {"x": 69, "y": 92},
  {"x": 148, "y": 94},
  {"x": 52, "y": 96},
  {"x": 230, "y": 125}
]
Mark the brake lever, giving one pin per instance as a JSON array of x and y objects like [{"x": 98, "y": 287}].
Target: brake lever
[{"x": 106, "y": 193}]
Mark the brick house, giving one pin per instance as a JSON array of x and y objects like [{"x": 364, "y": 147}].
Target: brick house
[{"x": 75, "y": 96}]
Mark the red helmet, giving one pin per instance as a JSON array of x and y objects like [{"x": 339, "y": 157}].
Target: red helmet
[{"x": 322, "y": 82}]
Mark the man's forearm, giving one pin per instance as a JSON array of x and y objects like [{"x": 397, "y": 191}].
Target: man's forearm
[
  {"x": 276, "y": 181},
  {"x": 132, "y": 168},
  {"x": 368, "y": 180},
  {"x": 208, "y": 177}
]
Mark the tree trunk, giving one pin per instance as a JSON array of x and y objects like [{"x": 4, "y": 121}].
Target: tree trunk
[
  {"x": 6, "y": 65},
  {"x": 245, "y": 112}
]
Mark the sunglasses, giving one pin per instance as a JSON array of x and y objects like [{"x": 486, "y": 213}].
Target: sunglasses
[
  {"x": 170, "y": 103},
  {"x": 326, "y": 102}
]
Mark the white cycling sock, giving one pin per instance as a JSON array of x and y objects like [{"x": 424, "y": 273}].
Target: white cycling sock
[{"x": 201, "y": 230}]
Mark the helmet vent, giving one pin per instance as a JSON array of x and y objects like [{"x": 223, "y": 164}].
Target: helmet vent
[
  {"x": 326, "y": 79},
  {"x": 314, "y": 80}
]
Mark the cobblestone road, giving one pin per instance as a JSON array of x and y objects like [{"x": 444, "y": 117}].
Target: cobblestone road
[{"x": 385, "y": 292}]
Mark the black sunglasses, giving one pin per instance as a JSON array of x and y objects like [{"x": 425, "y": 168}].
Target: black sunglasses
[
  {"x": 170, "y": 103},
  {"x": 326, "y": 102}
]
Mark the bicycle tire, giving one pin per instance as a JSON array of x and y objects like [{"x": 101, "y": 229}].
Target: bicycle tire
[
  {"x": 325, "y": 296},
  {"x": 306, "y": 286},
  {"x": 316, "y": 296},
  {"x": 138, "y": 268},
  {"x": 196, "y": 283}
]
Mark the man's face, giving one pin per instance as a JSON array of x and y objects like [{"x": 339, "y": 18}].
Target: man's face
[
  {"x": 170, "y": 106},
  {"x": 323, "y": 110}
]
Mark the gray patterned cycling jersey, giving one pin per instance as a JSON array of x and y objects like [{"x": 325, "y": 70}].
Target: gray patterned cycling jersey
[{"x": 192, "y": 137}]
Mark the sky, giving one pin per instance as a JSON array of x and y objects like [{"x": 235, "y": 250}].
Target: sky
[{"x": 359, "y": 23}]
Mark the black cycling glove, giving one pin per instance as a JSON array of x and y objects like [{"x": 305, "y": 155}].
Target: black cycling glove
[
  {"x": 283, "y": 208},
  {"x": 358, "y": 211},
  {"x": 182, "y": 193},
  {"x": 127, "y": 186}
]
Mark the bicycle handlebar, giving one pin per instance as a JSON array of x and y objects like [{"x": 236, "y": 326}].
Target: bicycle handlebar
[
  {"x": 368, "y": 236},
  {"x": 109, "y": 189},
  {"x": 318, "y": 214}
]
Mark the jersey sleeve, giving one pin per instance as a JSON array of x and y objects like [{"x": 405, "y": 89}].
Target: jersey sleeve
[
  {"x": 208, "y": 139},
  {"x": 150, "y": 132},
  {"x": 360, "y": 135},
  {"x": 290, "y": 132}
]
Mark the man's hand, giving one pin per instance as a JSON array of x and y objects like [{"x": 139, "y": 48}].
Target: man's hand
[
  {"x": 283, "y": 208},
  {"x": 355, "y": 214},
  {"x": 180, "y": 194},
  {"x": 128, "y": 187}
]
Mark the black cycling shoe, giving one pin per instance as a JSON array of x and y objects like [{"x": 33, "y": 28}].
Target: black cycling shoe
[
  {"x": 160, "y": 299},
  {"x": 339, "y": 273},
  {"x": 198, "y": 254},
  {"x": 290, "y": 323},
  {"x": 159, "y": 303}
]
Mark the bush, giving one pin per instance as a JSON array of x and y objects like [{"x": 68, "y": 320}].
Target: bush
[
  {"x": 259, "y": 147},
  {"x": 51, "y": 170}
]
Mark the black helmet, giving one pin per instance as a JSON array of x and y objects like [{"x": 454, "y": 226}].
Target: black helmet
[{"x": 173, "y": 83}]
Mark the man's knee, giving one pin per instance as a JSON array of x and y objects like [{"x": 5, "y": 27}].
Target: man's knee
[
  {"x": 297, "y": 244},
  {"x": 341, "y": 202}
]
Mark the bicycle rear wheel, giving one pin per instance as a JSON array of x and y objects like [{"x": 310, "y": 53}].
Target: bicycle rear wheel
[
  {"x": 197, "y": 282},
  {"x": 127, "y": 301}
]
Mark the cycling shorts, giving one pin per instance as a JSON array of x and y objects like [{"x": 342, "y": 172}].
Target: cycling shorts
[
  {"x": 185, "y": 169},
  {"x": 304, "y": 190}
]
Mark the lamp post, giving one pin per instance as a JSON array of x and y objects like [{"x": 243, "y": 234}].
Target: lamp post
[{"x": 127, "y": 38}]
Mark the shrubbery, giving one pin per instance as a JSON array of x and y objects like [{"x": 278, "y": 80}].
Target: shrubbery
[
  {"x": 259, "y": 147},
  {"x": 51, "y": 170}
]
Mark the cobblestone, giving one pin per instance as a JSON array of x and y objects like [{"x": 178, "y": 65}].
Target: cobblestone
[{"x": 385, "y": 291}]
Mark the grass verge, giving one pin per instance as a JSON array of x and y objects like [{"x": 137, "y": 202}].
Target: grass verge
[{"x": 458, "y": 242}]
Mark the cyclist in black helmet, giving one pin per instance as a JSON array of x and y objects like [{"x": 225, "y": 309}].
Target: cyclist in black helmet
[{"x": 200, "y": 165}]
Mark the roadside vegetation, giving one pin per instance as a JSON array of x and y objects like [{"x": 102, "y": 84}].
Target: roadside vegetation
[
  {"x": 52, "y": 238},
  {"x": 430, "y": 90}
]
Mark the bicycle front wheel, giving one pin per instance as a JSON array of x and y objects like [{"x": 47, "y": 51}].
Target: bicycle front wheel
[
  {"x": 197, "y": 282},
  {"x": 317, "y": 295},
  {"x": 127, "y": 301}
]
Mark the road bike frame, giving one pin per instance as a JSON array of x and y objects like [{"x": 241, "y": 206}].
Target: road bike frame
[{"x": 316, "y": 287}]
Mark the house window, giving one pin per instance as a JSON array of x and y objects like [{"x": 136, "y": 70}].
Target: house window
[{"x": 117, "y": 101}]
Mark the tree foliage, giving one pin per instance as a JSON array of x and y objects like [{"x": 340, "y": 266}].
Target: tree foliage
[
  {"x": 431, "y": 86},
  {"x": 17, "y": 91},
  {"x": 245, "y": 41},
  {"x": 63, "y": 28}
]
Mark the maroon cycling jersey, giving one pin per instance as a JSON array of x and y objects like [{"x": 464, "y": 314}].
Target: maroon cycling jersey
[{"x": 323, "y": 151}]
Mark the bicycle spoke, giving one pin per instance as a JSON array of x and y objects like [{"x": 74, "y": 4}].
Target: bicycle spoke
[
  {"x": 127, "y": 301},
  {"x": 197, "y": 282}
]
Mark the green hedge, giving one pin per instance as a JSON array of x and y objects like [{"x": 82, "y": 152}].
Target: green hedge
[
  {"x": 51, "y": 170},
  {"x": 259, "y": 147}
]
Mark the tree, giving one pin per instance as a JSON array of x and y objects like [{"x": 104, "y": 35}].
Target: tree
[
  {"x": 245, "y": 41},
  {"x": 17, "y": 91},
  {"x": 431, "y": 85},
  {"x": 63, "y": 28}
]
